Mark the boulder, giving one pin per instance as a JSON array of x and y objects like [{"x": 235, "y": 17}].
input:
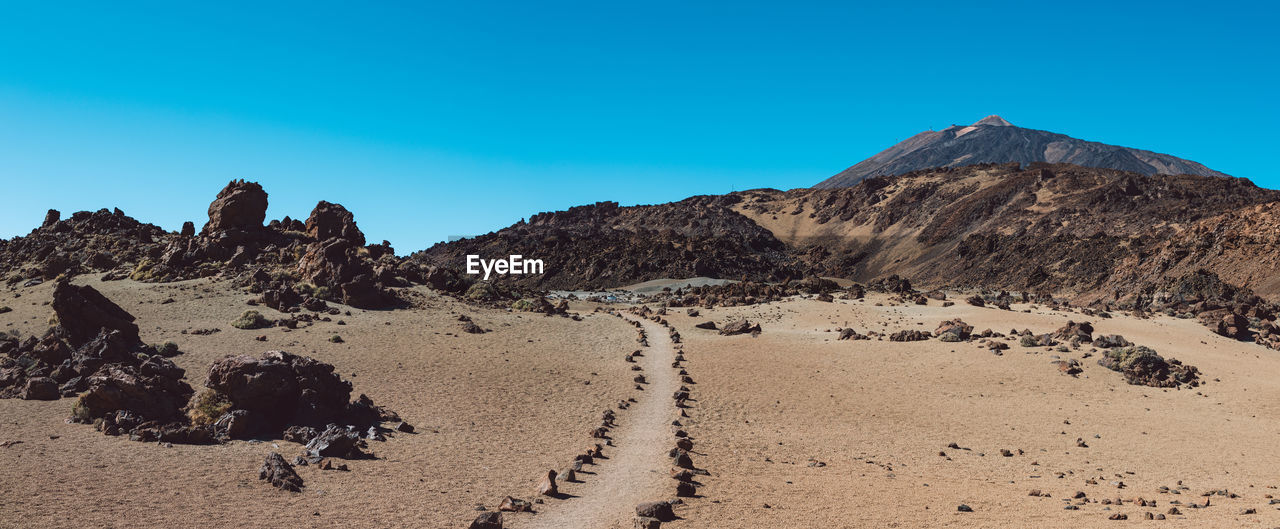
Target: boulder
[
  {"x": 1234, "y": 326},
  {"x": 330, "y": 221},
  {"x": 239, "y": 206},
  {"x": 119, "y": 387},
  {"x": 953, "y": 331},
  {"x": 739, "y": 327},
  {"x": 41, "y": 388},
  {"x": 285, "y": 389},
  {"x": 82, "y": 312}
]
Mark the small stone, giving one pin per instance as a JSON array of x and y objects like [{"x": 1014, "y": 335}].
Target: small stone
[{"x": 548, "y": 485}]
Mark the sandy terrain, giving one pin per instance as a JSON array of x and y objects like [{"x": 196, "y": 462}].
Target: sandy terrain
[
  {"x": 797, "y": 428},
  {"x": 491, "y": 411},
  {"x": 878, "y": 413}
]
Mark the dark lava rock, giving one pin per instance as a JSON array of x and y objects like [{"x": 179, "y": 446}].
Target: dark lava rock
[
  {"x": 287, "y": 390},
  {"x": 300, "y": 434},
  {"x": 659, "y": 510},
  {"x": 280, "y": 473},
  {"x": 240, "y": 206},
  {"x": 487, "y": 520},
  {"x": 739, "y": 327},
  {"x": 1110, "y": 341},
  {"x": 41, "y": 388},
  {"x": 336, "y": 441},
  {"x": 1081, "y": 332},
  {"x": 82, "y": 312},
  {"x": 332, "y": 221},
  {"x": 909, "y": 335}
]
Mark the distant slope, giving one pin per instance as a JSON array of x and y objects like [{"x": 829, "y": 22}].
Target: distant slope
[
  {"x": 1078, "y": 232},
  {"x": 1064, "y": 229},
  {"x": 994, "y": 140}
]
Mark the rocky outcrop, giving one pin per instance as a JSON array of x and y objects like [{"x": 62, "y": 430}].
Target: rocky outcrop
[
  {"x": 1141, "y": 365},
  {"x": 83, "y": 313},
  {"x": 328, "y": 253},
  {"x": 241, "y": 206},
  {"x": 332, "y": 221},
  {"x": 93, "y": 351},
  {"x": 335, "y": 260},
  {"x": 279, "y": 390},
  {"x": 85, "y": 242}
]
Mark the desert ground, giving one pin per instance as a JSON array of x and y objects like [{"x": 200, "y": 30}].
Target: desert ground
[{"x": 793, "y": 427}]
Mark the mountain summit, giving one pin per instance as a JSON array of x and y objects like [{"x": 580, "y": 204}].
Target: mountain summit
[{"x": 994, "y": 140}]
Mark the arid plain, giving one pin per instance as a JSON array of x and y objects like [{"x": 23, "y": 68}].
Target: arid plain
[{"x": 793, "y": 426}]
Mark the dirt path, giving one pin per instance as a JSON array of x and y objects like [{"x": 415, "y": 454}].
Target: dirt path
[{"x": 637, "y": 466}]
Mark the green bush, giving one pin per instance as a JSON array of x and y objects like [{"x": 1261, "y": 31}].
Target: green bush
[
  {"x": 950, "y": 337},
  {"x": 482, "y": 291},
  {"x": 1125, "y": 358},
  {"x": 143, "y": 271},
  {"x": 251, "y": 319},
  {"x": 80, "y": 412},
  {"x": 207, "y": 406},
  {"x": 168, "y": 348}
]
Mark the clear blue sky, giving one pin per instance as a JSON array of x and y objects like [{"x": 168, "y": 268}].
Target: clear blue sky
[{"x": 463, "y": 117}]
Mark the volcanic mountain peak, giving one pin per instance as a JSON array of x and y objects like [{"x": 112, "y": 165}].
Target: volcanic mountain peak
[
  {"x": 993, "y": 120},
  {"x": 994, "y": 140}
]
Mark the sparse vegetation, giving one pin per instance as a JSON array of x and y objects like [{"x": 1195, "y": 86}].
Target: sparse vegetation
[
  {"x": 950, "y": 337},
  {"x": 251, "y": 319},
  {"x": 207, "y": 406},
  {"x": 79, "y": 412},
  {"x": 482, "y": 291},
  {"x": 310, "y": 290},
  {"x": 143, "y": 272},
  {"x": 168, "y": 348}
]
